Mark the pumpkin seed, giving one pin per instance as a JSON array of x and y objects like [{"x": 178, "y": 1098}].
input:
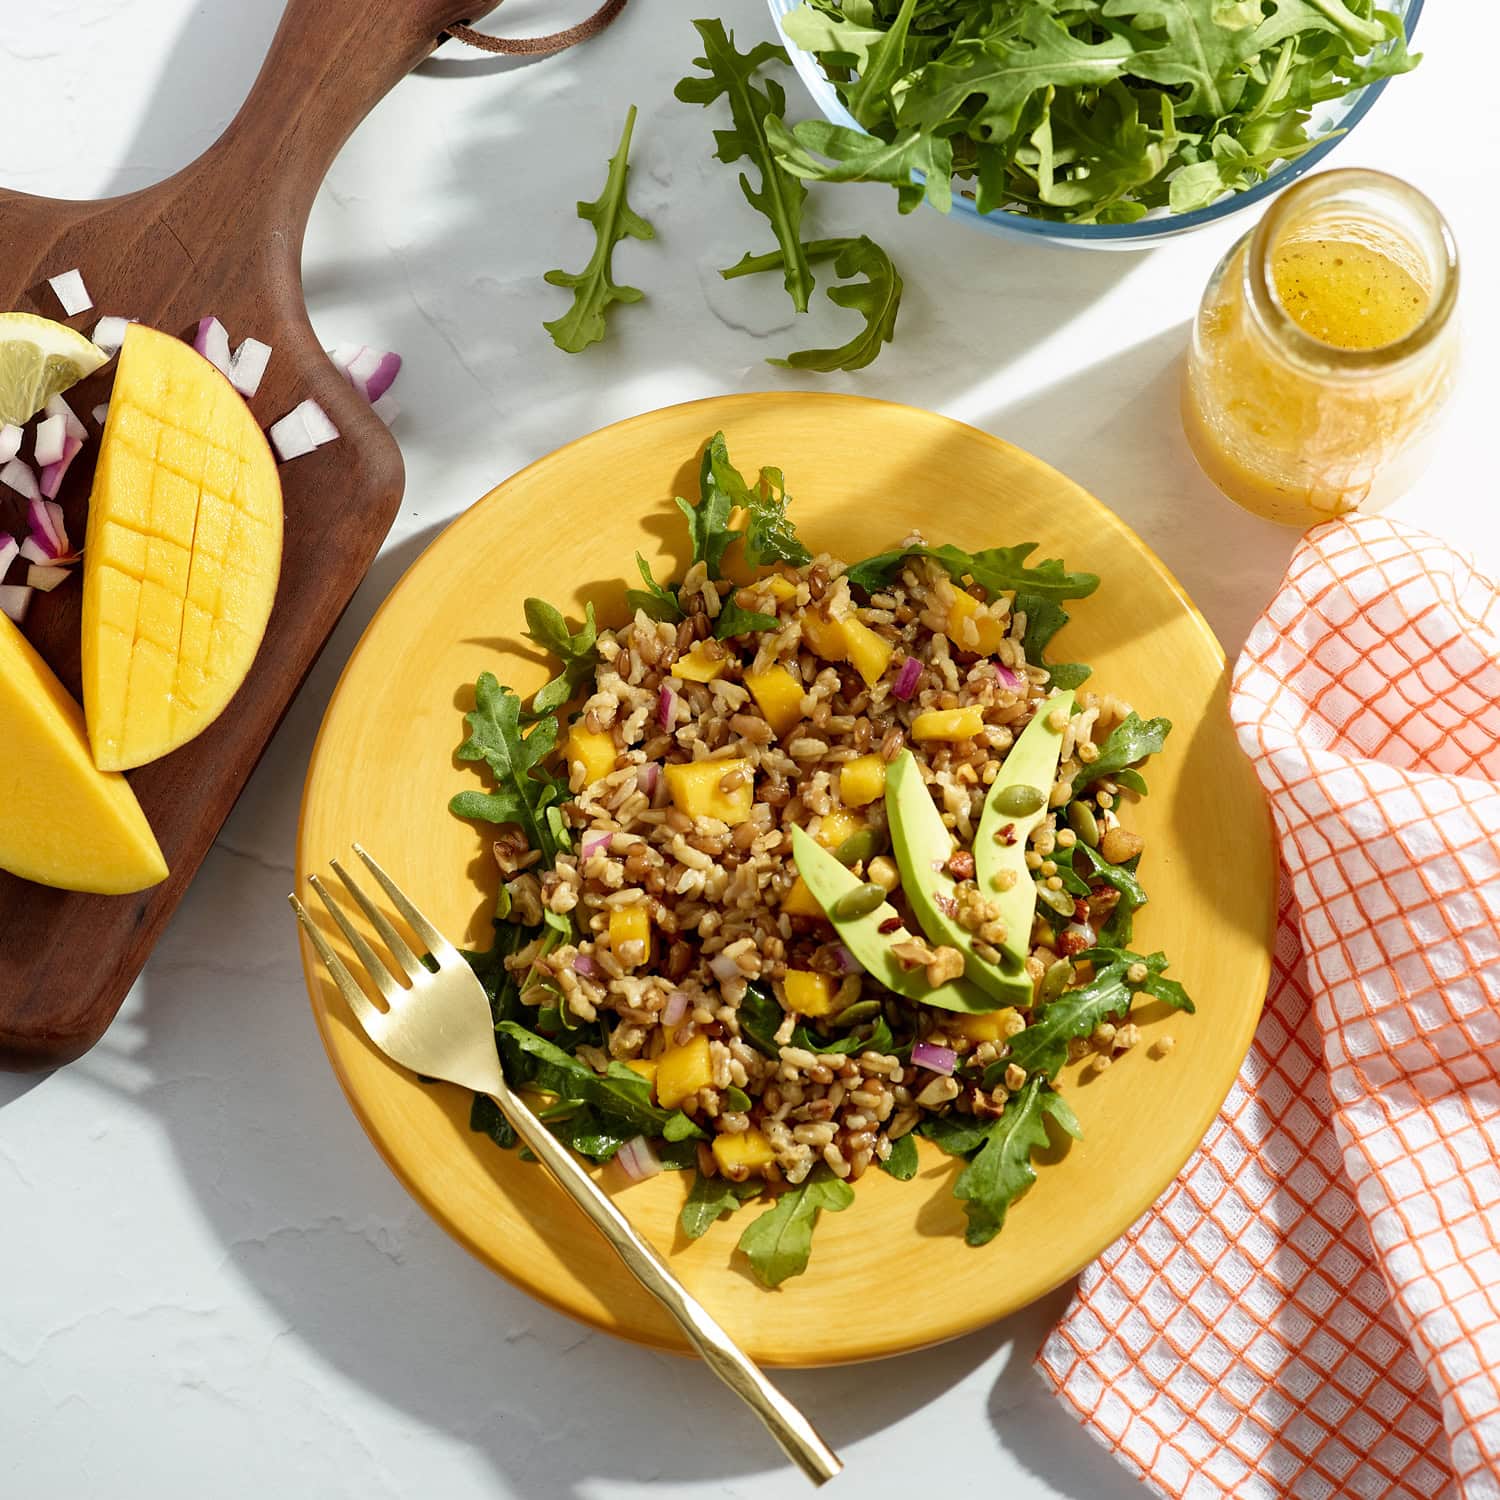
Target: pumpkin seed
[
  {"x": 1020, "y": 800},
  {"x": 1057, "y": 978},
  {"x": 1082, "y": 821},
  {"x": 862, "y": 845},
  {"x": 1060, "y": 901},
  {"x": 861, "y": 1010},
  {"x": 859, "y": 902}
]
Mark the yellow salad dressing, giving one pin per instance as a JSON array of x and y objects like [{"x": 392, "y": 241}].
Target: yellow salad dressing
[{"x": 1346, "y": 293}]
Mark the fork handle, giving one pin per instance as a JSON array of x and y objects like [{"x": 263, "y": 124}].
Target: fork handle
[{"x": 797, "y": 1436}]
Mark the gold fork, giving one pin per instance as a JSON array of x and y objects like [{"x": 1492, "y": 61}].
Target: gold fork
[{"x": 438, "y": 1023}]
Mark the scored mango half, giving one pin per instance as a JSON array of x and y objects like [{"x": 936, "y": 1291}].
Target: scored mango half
[{"x": 182, "y": 556}]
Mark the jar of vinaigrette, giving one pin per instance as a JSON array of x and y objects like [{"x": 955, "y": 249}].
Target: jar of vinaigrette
[{"x": 1324, "y": 350}]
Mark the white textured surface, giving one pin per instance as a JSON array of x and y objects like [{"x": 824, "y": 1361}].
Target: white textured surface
[{"x": 212, "y": 1285}]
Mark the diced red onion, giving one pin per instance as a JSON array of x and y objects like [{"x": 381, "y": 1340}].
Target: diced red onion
[
  {"x": 34, "y": 551},
  {"x": 71, "y": 292},
  {"x": 17, "y": 474},
  {"x": 724, "y": 969},
  {"x": 47, "y": 443},
  {"x": 1080, "y": 933},
  {"x": 57, "y": 407},
  {"x": 109, "y": 334},
  {"x": 637, "y": 1160},
  {"x": 10, "y": 549},
  {"x": 45, "y": 578},
  {"x": 14, "y": 597},
  {"x": 906, "y": 678},
  {"x": 212, "y": 342},
  {"x": 934, "y": 1059},
  {"x": 248, "y": 367},
  {"x": 585, "y": 965},
  {"x": 371, "y": 372},
  {"x": 100, "y": 412},
  {"x": 386, "y": 407},
  {"x": 676, "y": 1007},
  {"x": 52, "y": 475},
  {"x": 303, "y": 428},
  {"x": 848, "y": 963},
  {"x": 599, "y": 841},
  {"x": 10, "y": 442},
  {"x": 647, "y": 777},
  {"x": 48, "y": 528},
  {"x": 666, "y": 703},
  {"x": 1006, "y": 676}
]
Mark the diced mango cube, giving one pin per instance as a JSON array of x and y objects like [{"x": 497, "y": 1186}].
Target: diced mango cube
[
  {"x": 781, "y": 588},
  {"x": 740, "y": 1155},
  {"x": 825, "y": 638},
  {"x": 868, "y": 653},
  {"x": 702, "y": 664},
  {"x": 800, "y": 901},
  {"x": 698, "y": 789},
  {"x": 836, "y": 825},
  {"x": 778, "y": 695},
  {"x": 682, "y": 1071},
  {"x": 630, "y": 935},
  {"x": 984, "y": 1026},
  {"x": 809, "y": 993},
  {"x": 591, "y": 749},
  {"x": 646, "y": 1067},
  {"x": 989, "y": 630},
  {"x": 947, "y": 724},
  {"x": 862, "y": 780}
]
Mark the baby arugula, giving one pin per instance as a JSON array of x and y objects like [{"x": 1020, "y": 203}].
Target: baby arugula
[{"x": 594, "y": 288}]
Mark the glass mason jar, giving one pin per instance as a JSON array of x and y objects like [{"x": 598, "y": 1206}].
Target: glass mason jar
[{"x": 1298, "y": 427}]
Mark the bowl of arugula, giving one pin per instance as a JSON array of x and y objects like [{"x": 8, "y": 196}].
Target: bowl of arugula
[{"x": 1108, "y": 124}]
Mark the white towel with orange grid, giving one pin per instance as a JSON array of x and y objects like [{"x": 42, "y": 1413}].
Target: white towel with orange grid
[{"x": 1313, "y": 1308}]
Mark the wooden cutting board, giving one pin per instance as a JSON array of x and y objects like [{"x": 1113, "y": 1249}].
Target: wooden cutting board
[{"x": 222, "y": 237}]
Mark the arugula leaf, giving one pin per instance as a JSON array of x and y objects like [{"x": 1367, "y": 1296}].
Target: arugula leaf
[
  {"x": 591, "y": 1134},
  {"x": 1132, "y": 740},
  {"x": 1000, "y": 1171},
  {"x": 781, "y": 195},
  {"x": 958, "y": 1135},
  {"x": 760, "y": 1019},
  {"x": 577, "y": 650},
  {"x": 770, "y": 537},
  {"x": 1169, "y": 992},
  {"x": 679, "y": 1127},
  {"x": 1132, "y": 780},
  {"x": 821, "y": 152},
  {"x": 1043, "y": 1047},
  {"x": 620, "y": 1095},
  {"x": 657, "y": 601},
  {"x": 710, "y": 1199},
  {"x": 877, "y": 299},
  {"x": 1132, "y": 893},
  {"x": 733, "y": 620},
  {"x": 878, "y": 1039},
  {"x": 902, "y": 1162},
  {"x": 779, "y": 1242},
  {"x": 1044, "y": 618},
  {"x": 736, "y": 1101},
  {"x": 721, "y": 490},
  {"x": 524, "y": 793},
  {"x": 485, "y": 1118},
  {"x": 594, "y": 288},
  {"x": 996, "y": 568}
]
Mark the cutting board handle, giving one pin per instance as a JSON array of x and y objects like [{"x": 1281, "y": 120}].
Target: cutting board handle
[{"x": 329, "y": 64}]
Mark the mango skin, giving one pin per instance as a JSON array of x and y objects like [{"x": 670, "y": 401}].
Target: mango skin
[
  {"x": 182, "y": 556},
  {"x": 65, "y": 823}
]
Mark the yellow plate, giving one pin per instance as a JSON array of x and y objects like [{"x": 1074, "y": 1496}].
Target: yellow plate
[{"x": 862, "y": 473}]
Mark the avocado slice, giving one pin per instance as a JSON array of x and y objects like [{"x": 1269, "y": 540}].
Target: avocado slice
[
  {"x": 828, "y": 880},
  {"x": 923, "y": 845},
  {"x": 1032, "y": 762}
]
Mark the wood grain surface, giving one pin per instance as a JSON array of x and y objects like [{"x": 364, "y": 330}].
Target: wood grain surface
[{"x": 222, "y": 237}]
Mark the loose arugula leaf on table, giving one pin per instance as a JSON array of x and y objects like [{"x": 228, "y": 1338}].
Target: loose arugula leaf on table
[
  {"x": 711, "y": 1199},
  {"x": 656, "y": 600},
  {"x": 902, "y": 1162},
  {"x": 525, "y": 793},
  {"x": 1000, "y": 1171},
  {"x": 996, "y": 568},
  {"x": 576, "y": 650},
  {"x": 770, "y": 536},
  {"x": 781, "y": 195},
  {"x": 877, "y": 299},
  {"x": 594, "y": 288},
  {"x": 734, "y": 620},
  {"x": 1131, "y": 740},
  {"x": 779, "y": 1242},
  {"x": 1044, "y": 618}
]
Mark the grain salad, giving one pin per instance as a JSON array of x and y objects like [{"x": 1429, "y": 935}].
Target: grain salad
[{"x": 804, "y": 860}]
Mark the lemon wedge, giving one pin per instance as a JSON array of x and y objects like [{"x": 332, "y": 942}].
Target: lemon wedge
[{"x": 39, "y": 359}]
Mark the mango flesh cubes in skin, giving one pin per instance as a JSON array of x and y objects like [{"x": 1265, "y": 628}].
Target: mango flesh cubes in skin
[
  {"x": 63, "y": 822},
  {"x": 182, "y": 556}
]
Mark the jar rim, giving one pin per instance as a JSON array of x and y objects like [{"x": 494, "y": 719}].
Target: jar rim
[{"x": 1304, "y": 348}]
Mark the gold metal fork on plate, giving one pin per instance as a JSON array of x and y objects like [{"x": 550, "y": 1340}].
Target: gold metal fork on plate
[{"x": 438, "y": 1023}]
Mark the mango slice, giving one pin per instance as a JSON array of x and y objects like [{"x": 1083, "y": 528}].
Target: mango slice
[
  {"x": 182, "y": 556},
  {"x": 64, "y": 822}
]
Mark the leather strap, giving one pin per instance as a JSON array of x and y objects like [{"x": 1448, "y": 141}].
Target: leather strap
[{"x": 540, "y": 46}]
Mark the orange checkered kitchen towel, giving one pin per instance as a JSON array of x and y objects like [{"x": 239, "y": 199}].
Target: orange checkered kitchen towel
[{"x": 1313, "y": 1308}]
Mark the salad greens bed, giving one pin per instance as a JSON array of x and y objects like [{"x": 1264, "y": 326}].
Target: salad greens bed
[{"x": 599, "y": 1114}]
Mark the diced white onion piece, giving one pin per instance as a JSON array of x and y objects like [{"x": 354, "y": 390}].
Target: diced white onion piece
[
  {"x": 10, "y": 549},
  {"x": 637, "y": 1160},
  {"x": 10, "y": 441},
  {"x": 71, "y": 292},
  {"x": 109, "y": 333},
  {"x": 33, "y": 551},
  {"x": 17, "y": 474},
  {"x": 212, "y": 342},
  {"x": 52, "y": 474},
  {"x": 48, "y": 528},
  {"x": 303, "y": 428},
  {"x": 248, "y": 366},
  {"x": 57, "y": 407},
  {"x": 344, "y": 355},
  {"x": 100, "y": 412},
  {"x": 47, "y": 445},
  {"x": 45, "y": 577},
  {"x": 14, "y": 597},
  {"x": 386, "y": 407}
]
